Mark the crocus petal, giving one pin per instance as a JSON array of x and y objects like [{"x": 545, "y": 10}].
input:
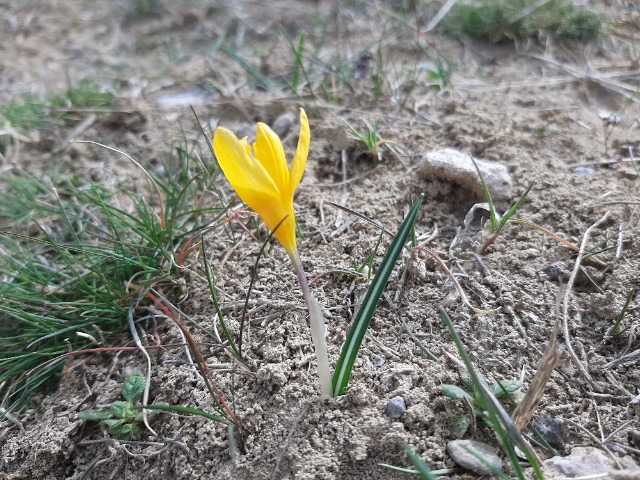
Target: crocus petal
[
  {"x": 272, "y": 213},
  {"x": 302, "y": 152},
  {"x": 244, "y": 172},
  {"x": 269, "y": 152}
]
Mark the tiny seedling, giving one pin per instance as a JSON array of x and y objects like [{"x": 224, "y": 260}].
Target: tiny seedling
[
  {"x": 366, "y": 268},
  {"x": 498, "y": 222},
  {"x": 615, "y": 330},
  {"x": 122, "y": 418},
  {"x": 369, "y": 137},
  {"x": 473, "y": 399},
  {"x": 439, "y": 75}
]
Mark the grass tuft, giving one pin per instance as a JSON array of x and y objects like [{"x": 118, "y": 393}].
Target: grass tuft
[
  {"x": 494, "y": 414},
  {"x": 72, "y": 259},
  {"x": 498, "y": 20}
]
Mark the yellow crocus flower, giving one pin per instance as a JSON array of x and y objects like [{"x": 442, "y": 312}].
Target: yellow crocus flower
[{"x": 261, "y": 177}]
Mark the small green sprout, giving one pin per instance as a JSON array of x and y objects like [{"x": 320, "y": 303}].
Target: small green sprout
[
  {"x": 472, "y": 397},
  {"x": 122, "y": 418},
  {"x": 439, "y": 75},
  {"x": 615, "y": 330},
  {"x": 366, "y": 268},
  {"x": 498, "y": 222},
  {"x": 369, "y": 137}
]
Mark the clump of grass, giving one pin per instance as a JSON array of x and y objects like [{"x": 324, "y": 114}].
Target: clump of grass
[
  {"x": 370, "y": 137},
  {"x": 19, "y": 117},
  {"x": 497, "y": 20},
  {"x": 73, "y": 260},
  {"x": 494, "y": 414}
]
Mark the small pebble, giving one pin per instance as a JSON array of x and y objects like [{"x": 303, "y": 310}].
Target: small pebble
[
  {"x": 589, "y": 462},
  {"x": 552, "y": 430},
  {"x": 395, "y": 407},
  {"x": 458, "y": 451},
  {"x": 282, "y": 124},
  {"x": 378, "y": 361}
]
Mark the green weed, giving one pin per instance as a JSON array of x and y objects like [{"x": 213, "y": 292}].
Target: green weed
[
  {"x": 497, "y": 20},
  {"x": 498, "y": 223},
  {"x": 471, "y": 398},
  {"x": 370, "y": 137},
  {"x": 122, "y": 418},
  {"x": 494, "y": 414}
]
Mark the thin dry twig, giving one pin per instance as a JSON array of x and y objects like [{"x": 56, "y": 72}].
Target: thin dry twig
[
  {"x": 452, "y": 277},
  {"x": 282, "y": 451},
  {"x": 567, "y": 296}
]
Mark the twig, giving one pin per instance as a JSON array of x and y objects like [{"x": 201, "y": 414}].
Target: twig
[
  {"x": 629, "y": 357},
  {"x": 287, "y": 441},
  {"x": 567, "y": 296}
]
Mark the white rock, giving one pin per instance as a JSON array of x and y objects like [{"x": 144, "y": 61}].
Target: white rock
[{"x": 454, "y": 166}]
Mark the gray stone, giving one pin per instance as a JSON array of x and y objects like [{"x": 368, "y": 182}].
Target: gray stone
[
  {"x": 395, "y": 407},
  {"x": 282, "y": 124},
  {"x": 587, "y": 461},
  {"x": 454, "y": 166},
  {"x": 458, "y": 450}
]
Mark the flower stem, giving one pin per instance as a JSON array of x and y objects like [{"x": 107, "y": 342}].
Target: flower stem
[{"x": 316, "y": 320}]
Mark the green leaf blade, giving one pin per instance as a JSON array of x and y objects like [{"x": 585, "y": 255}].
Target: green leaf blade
[
  {"x": 367, "y": 309},
  {"x": 454, "y": 392}
]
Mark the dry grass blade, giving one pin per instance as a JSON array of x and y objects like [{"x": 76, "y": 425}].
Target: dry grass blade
[
  {"x": 360, "y": 216},
  {"x": 526, "y": 408},
  {"x": 563, "y": 242}
]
